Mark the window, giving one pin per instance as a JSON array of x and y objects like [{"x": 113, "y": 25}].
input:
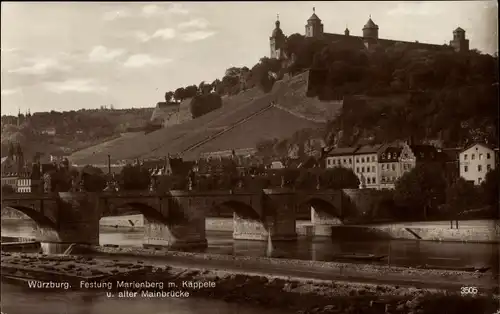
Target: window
[
  {"x": 345, "y": 161},
  {"x": 383, "y": 179},
  {"x": 357, "y": 159},
  {"x": 488, "y": 156},
  {"x": 350, "y": 160},
  {"x": 389, "y": 156},
  {"x": 466, "y": 168},
  {"x": 362, "y": 159},
  {"x": 479, "y": 168},
  {"x": 465, "y": 156},
  {"x": 357, "y": 169},
  {"x": 362, "y": 169},
  {"x": 329, "y": 162},
  {"x": 374, "y": 180},
  {"x": 368, "y": 180},
  {"x": 373, "y": 158},
  {"x": 488, "y": 167},
  {"x": 480, "y": 156},
  {"x": 473, "y": 156},
  {"x": 393, "y": 167},
  {"x": 373, "y": 168},
  {"x": 383, "y": 167}
]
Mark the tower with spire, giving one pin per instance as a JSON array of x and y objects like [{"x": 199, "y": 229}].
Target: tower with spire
[
  {"x": 277, "y": 41},
  {"x": 314, "y": 27},
  {"x": 370, "y": 30}
]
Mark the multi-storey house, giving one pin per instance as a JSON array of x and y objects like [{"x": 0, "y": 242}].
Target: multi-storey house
[
  {"x": 475, "y": 161},
  {"x": 389, "y": 164},
  {"x": 340, "y": 157},
  {"x": 366, "y": 165}
]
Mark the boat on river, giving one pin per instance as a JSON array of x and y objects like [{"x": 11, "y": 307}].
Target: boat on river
[
  {"x": 479, "y": 269},
  {"x": 359, "y": 257}
]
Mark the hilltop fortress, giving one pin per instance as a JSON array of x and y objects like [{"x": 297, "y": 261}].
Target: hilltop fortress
[{"x": 369, "y": 40}]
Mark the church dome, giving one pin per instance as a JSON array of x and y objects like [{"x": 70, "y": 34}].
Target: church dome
[
  {"x": 459, "y": 30},
  {"x": 370, "y": 24}
]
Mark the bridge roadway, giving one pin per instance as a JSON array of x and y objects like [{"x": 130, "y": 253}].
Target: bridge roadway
[{"x": 177, "y": 218}]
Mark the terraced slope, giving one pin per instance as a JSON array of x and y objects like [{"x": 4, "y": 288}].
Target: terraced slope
[{"x": 242, "y": 122}]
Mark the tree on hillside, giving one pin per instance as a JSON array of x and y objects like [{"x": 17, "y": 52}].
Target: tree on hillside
[
  {"x": 134, "y": 177},
  {"x": 7, "y": 189},
  {"x": 421, "y": 190},
  {"x": 190, "y": 91},
  {"x": 168, "y": 96},
  {"x": 179, "y": 94},
  {"x": 461, "y": 196},
  {"x": 491, "y": 187},
  {"x": 92, "y": 179},
  {"x": 203, "y": 104}
]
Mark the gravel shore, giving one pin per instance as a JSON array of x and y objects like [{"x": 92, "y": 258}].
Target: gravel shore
[{"x": 299, "y": 295}]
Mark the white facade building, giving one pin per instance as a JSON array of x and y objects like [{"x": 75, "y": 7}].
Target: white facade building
[
  {"x": 475, "y": 161},
  {"x": 23, "y": 185}
]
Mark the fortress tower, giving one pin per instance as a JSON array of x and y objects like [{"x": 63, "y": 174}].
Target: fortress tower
[
  {"x": 277, "y": 42},
  {"x": 314, "y": 27},
  {"x": 459, "y": 42}
]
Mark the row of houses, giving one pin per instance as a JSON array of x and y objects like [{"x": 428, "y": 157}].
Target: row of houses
[{"x": 380, "y": 166}]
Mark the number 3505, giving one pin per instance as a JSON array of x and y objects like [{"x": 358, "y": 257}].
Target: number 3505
[{"x": 468, "y": 290}]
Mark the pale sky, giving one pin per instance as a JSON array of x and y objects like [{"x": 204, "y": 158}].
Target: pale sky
[{"x": 68, "y": 56}]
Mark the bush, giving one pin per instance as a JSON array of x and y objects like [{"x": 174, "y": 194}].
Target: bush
[
  {"x": 93, "y": 179},
  {"x": 133, "y": 178},
  {"x": 8, "y": 189},
  {"x": 203, "y": 104}
]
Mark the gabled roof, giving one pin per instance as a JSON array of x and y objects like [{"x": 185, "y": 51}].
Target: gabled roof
[
  {"x": 477, "y": 143},
  {"x": 369, "y": 149},
  {"x": 342, "y": 151}
]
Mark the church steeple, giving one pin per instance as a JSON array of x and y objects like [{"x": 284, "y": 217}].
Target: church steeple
[{"x": 277, "y": 40}]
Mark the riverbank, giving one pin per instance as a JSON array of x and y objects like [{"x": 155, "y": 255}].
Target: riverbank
[
  {"x": 468, "y": 231},
  {"x": 297, "y": 294},
  {"x": 403, "y": 276}
]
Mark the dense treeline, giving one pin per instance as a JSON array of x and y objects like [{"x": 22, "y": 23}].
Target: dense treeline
[{"x": 429, "y": 192}]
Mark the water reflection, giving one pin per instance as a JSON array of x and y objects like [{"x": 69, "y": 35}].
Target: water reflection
[{"x": 398, "y": 252}]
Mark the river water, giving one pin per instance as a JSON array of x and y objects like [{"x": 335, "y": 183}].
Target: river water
[{"x": 409, "y": 253}]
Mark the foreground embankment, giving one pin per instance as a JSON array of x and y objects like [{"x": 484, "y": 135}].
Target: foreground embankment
[
  {"x": 429, "y": 278},
  {"x": 298, "y": 295}
]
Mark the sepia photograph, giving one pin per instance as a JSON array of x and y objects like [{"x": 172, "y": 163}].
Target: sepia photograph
[{"x": 286, "y": 157}]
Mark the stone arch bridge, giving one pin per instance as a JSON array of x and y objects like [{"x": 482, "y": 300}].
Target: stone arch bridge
[{"x": 176, "y": 218}]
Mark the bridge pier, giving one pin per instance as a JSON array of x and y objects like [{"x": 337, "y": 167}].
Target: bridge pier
[
  {"x": 181, "y": 224},
  {"x": 276, "y": 221},
  {"x": 78, "y": 222},
  {"x": 322, "y": 221},
  {"x": 190, "y": 235}
]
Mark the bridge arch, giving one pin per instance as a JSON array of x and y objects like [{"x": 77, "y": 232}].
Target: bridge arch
[
  {"x": 39, "y": 218},
  {"x": 133, "y": 207},
  {"x": 323, "y": 209}
]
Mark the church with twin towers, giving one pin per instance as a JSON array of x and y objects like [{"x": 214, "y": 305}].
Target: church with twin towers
[{"x": 369, "y": 39}]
